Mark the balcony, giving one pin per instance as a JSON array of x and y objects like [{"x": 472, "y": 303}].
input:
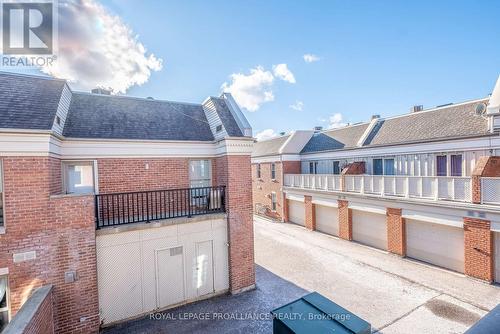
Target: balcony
[
  {"x": 458, "y": 189},
  {"x": 146, "y": 206}
]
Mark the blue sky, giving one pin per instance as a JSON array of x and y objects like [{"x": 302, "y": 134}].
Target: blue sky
[{"x": 375, "y": 57}]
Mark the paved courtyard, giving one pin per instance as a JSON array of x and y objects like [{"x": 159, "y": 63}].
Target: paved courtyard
[{"x": 395, "y": 295}]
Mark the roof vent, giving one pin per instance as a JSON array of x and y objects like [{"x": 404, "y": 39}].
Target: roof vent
[
  {"x": 102, "y": 91},
  {"x": 375, "y": 117},
  {"x": 282, "y": 133},
  {"x": 480, "y": 109},
  {"x": 150, "y": 98},
  {"x": 318, "y": 128},
  {"x": 444, "y": 105},
  {"x": 417, "y": 108}
]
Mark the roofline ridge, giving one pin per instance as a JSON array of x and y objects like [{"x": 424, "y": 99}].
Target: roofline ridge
[
  {"x": 135, "y": 98},
  {"x": 29, "y": 75}
]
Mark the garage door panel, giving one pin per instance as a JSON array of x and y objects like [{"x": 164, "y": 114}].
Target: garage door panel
[
  {"x": 369, "y": 228},
  {"x": 327, "y": 219},
  {"x": 497, "y": 256},
  {"x": 296, "y": 212},
  {"x": 437, "y": 244}
]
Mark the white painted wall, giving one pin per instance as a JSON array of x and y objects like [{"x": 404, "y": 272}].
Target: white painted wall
[
  {"x": 296, "y": 212},
  {"x": 438, "y": 244},
  {"x": 327, "y": 219},
  {"x": 127, "y": 267},
  {"x": 497, "y": 256},
  {"x": 369, "y": 228}
]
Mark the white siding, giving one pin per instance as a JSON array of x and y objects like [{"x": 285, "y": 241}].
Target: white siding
[
  {"x": 214, "y": 119},
  {"x": 62, "y": 110},
  {"x": 438, "y": 244},
  {"x": 497, "y": 256},
  {"x": 327, "y": 219},
  {"x": 369, "y": 228},
  {"x": 128, "y": 270}
]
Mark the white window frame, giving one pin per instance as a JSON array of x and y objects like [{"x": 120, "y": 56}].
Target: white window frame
[
  {"x": 4, "y": 274},
  {"x": 64, "y": 164},
  {"x": 274, "y": 203},
  {"x": 2, "y": 196},
  {"x": 200, "y": 179},
  {"x": 273, "y": 171},
  {"x": 258, "y": 171}
]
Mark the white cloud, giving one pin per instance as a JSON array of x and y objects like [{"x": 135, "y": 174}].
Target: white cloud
[
  {"x": 252, "y": 90},
  {"x": 310, "y": 58},
  {"x": 97, "y": 49},
  {"x": 336, "y": 121},
  {"x": 266, "y": 134},
  {"x": 298, "y": 105},
  {"x": 282, "y": 72}
]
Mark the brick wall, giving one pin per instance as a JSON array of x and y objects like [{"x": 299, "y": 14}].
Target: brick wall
[
  {"x": 478, "y": 249},
  {"x": 43, "y": 321},
  {"x": 262, "y": 187},
  {"x": 345, "y": 220},
  {"x": 357, "y": 167},
  {"x": 62, "y": 233},
  {"x": 396, "y": 232},
  {"x": 235, "y": 173},
  {"x": 486, "y": 166},
  {"x": 310, "y": 211}
]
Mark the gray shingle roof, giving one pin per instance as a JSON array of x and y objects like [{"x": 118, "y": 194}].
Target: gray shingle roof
[
  {"x": 116, "y": 117},
  {"x": 447, "y": 122},
  {"x": 226, "y": 117},
  {"x": 268, "y": 147},
  {"x": 28, "y": 102},
  {"x": 335, "y": 139}
]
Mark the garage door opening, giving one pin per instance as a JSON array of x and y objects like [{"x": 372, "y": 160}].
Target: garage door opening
[
  {"x": 296, "y": 212},
  {"x": 327, "y": 219},
  {"x": 369, "y": 228}
]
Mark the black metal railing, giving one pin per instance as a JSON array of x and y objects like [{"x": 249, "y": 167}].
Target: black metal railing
[{"x": 145, "y": 206}]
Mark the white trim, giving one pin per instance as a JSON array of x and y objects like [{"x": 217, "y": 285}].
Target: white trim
[
  {"x": 367, "y": 132},
  {"x": 4, "y": 271},
  {"x": 295, "y": 198},
  {"x": 276, "y": 158},
  {"x": 367, "y": 208},
  {"x": 432, "y": 218},
  {"x": 325, "y": 202}
]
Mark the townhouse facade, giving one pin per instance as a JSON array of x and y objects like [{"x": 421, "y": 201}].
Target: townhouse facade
[
  {"x": 423, "y": 185},
  {"x": 118, "y": 206}
]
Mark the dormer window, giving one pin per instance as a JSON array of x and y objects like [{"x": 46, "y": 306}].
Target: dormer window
[
  {"x": 218, "y": 128},
  {"x": 58, "y": 120}
]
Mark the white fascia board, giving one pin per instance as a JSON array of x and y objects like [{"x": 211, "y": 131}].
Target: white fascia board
[
  {"x": 271, "y": 158},
  {"x": 433, "y": 218},
  {"x": 367, "y": 132},
  {"x": 290, "y": 157},
  {"x": 494, "y": 102},
  {"x": 26, "y": 144},
  {"x": 238, "y": 115},
  {"x": 481, "y": 143},
  {"x": 235, "y": 146},
  {"x": 330, "y": 202},
  {"x": 298, "y": 198},
  {"x": 368, "y": 208}
]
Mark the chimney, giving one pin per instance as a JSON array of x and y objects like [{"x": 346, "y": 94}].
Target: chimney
[
  {"x": 417, "y": 108},
  {"x": 318, "y": 128},
  {"x": 102, "y": 91}
]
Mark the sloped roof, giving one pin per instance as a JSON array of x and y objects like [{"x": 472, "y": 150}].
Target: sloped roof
[
  {"x": 118, "y": 117},
  {"x": 269, "y": 146},
  {"x": 28, "y": 102},
  {"x": 335, "y": 139},
  {"x": 226, "y": 117},
  {"x": 436, "y": 124}
]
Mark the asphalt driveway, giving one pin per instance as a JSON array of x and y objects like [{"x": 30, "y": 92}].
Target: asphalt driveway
[{"x": 395, "y": 295}]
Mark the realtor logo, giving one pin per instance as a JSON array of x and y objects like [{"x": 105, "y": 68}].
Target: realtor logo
[{"x": 27, "y": 28}]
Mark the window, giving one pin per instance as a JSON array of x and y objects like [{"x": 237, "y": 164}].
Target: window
[
  {"x": 336, "y": 167},
  {"x": 218, "y": 128},
  {"x": 388, "y": 166},
  {"x": 273, "y": 171},
  {"x": 200, "y": 173},
  {"x": 378, "y": 168},
  {"x": 273, "y": 201},
  {"x": 78, "y": 177},
  {"x": 313, "y": 167},
  {"x": 258, "y": 171},
  {"x": 441, "y": 165},
  {"x": 456, "y": 165},
  {"x": 1, "y": 196},
  {"x": 4, "y": 305}
]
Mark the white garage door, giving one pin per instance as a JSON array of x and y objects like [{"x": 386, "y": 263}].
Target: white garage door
[
  {"x": 497, "y": 256},
  {"x": 369, "y": 228},
  {"x": 296, "y": 212},
  {"x": 327, "y": 219},
  {"x": 441, "y": 245},
  {"x": 154, "y": 268}
]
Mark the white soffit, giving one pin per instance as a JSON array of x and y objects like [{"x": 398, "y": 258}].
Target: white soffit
[
  {"x": 367, "y": 208},
  {"x": 295, "y": 197},
  {"x": 325, "y": 202}
]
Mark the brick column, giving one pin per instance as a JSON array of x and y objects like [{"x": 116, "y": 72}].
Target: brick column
[
  {"x": 345, "y": 220},
  {"x": 234, "y": 171},
  {"x": 285, "y": 208},
  {"x": 487, "y": 166},
  {"x": 396, "y": 232},
  {"x": 310, "y": 213},
  {"x": 478, "y": 249},
  {"x": 476, "y": 189}
]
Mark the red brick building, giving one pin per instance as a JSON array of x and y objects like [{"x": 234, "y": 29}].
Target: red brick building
[
  {"x": 88, "y": 178},
  {"x": 423, "y": 185}
]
